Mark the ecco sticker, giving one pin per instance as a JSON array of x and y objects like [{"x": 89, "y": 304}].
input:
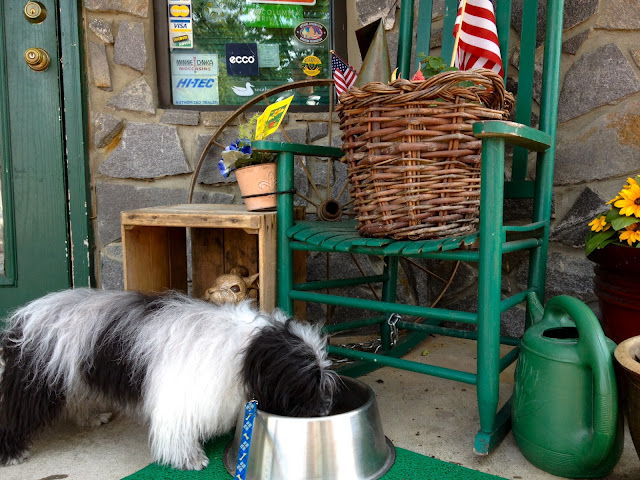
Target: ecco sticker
[
  {"x": 311, "y": 65},
  {"x": 242, "y": 59},
  {"x": 311, "y": 33}
]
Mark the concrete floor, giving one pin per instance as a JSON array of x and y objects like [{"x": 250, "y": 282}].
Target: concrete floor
[{"x": 423, "y": 414}]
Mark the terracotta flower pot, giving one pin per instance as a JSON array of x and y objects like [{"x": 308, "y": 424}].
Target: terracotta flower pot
[
  {"x": 617, "y": 286},
  {"x": 255, "y": 181},
  {"x": 628, "y": 357}
]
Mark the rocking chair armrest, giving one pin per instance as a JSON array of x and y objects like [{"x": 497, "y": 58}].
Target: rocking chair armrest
[
  {"x": 514, "y": 134},
  {"x": 296, "y": 149}
]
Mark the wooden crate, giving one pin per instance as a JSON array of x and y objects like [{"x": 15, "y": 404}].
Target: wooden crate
[{"x": 154, "y": 247}]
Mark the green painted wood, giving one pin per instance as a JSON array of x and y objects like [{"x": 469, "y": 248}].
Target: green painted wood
[
  {"x": 341, "y": 282},
  {"x": 548, "y": 122},
  {"x": 452, "y": 332},
  {"x": 37, "y": 158},
  {"x": 525, "y": 87},
  {"x": 387, "y": 307},
  {"x": 284, "y": 270},
  {"x": 388, "y": 361},
  {"x": 514, "y": 134},
  {"x": 489, "y": 290},
  {"x": 405, "y": 38},
  {"x": 423, "y": 38},
  {"x": 523, "y": 189},
  {"x": 76, "y": 144},
  {"x": 297, "y": 149},
  {"x": 8, "y": 275}
]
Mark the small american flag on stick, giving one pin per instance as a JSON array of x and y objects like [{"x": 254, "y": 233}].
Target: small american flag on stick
[
  {"x": 477, "y": 43},
  {"x": 344, "y": 75}
]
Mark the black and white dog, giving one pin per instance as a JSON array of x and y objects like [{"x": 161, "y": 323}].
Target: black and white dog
[{"x": 187, "y": 366}]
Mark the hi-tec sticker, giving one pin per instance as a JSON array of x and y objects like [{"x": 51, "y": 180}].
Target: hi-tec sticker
[
  {"x": 194, "y": 79},
  {"x": 242, "y": 59},
  {"x": 311, "y": 65},
  {"x": 311, "y": 33}
]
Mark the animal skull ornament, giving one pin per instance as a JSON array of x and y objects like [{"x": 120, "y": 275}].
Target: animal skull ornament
[{"x": 231, "y": 287}]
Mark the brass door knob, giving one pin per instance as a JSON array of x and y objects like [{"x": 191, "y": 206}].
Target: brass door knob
[
  {"x": 37, "y": 58},
  {"x": 35, "y": 12}
]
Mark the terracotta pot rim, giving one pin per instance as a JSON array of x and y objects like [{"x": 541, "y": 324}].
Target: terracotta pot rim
[{"x": 626, "y": 352}]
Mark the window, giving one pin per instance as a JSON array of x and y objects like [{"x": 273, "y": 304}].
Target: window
[{"x": 214, "y": 54}]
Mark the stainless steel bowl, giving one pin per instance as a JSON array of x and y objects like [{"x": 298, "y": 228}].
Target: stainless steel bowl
[{"x": 346, "y": 445}]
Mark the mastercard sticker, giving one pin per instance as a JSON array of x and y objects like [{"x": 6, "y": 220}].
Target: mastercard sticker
[{"x": 180, "y": 24}]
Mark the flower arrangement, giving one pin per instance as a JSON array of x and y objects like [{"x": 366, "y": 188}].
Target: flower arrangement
[
  {"x": 621, "y": 224},
  {"x": 239, "y": 154}
]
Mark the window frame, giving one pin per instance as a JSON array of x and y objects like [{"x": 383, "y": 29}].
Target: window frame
[{"x": 163, "y": 58}]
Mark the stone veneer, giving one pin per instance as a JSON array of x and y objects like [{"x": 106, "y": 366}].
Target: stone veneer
[{"x": 598, "y": 139}]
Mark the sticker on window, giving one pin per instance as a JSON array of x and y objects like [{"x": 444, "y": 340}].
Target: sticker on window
[
  {"x": 180, "y": 24},
  {"x": 242, "y": 59},
  {"x": 311, "y": 33},
  {"x": 312, "y": 65},
  {"x": 194, "y": 79}
]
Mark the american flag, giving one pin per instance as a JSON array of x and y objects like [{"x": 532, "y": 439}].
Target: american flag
[
  {"x": 344, "y": 75},
  {"x": 478, "y": 46}
]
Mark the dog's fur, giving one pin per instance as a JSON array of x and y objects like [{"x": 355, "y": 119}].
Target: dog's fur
[{"x": 185, "y": 365}]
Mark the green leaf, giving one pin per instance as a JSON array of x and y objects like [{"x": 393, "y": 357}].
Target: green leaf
[
  {"x": 613, "y": 214},
  {"x": 596, "y": 240},
  {"x": 623, "y": 221}
]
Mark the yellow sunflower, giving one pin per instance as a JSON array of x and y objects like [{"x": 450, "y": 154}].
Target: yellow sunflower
[
  {"x": 629, "y": 204},
  {"x": 632, "y": 181},
  {"x": 630, "y": 234},
  {"x": 599, "y": 224}
]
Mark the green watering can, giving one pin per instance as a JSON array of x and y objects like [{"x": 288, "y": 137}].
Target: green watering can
[{"x": 565, "y": 401}]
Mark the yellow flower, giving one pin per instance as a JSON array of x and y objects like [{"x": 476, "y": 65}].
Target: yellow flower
[
  {"x": 630, "y": 203},
  {"x": 632, "y": 181},
  {"x": 599, "y": 224},
  {"x": 630, "y": 234}
]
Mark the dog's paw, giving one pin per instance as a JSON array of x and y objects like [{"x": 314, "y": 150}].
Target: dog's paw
[
  {"x": 21, "y": 457},
  {"x": 197, "y": 461}
]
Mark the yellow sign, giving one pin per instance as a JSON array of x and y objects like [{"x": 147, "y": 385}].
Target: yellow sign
[
  {"x": 311, "y": 65},
  {"x": 271, "y": 118}
]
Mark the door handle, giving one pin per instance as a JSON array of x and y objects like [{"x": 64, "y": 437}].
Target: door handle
[{"x": 37, "y": 58}]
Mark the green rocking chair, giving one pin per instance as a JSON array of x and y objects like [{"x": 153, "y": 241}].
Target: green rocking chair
[{"x": 486, "y": 247}]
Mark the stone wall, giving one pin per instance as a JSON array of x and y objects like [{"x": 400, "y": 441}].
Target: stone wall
[{"x": 142, "y": 155}]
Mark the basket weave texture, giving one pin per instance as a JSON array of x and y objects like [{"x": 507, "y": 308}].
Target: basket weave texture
[{"x": 412, "y": 160}]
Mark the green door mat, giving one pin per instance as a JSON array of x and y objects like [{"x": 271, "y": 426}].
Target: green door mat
[{"x": 408, "y": 466}]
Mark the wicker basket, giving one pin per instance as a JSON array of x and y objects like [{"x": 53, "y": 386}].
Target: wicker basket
[{"x": 413, "y": 162}]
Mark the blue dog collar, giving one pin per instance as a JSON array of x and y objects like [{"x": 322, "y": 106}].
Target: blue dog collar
[{"x": 245, "y": 440}]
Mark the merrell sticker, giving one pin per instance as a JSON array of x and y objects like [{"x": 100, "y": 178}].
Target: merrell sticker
[
  {"x": 311, "y": 33},
  {"x": 311, "y": 65}
]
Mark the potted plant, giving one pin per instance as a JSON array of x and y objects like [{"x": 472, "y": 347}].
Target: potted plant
[
  {"x": 614, "y": 245},
  {"x": 255, "y": 171}
]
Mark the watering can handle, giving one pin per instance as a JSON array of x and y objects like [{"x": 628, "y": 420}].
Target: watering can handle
[{"x": 593, "y": 349}]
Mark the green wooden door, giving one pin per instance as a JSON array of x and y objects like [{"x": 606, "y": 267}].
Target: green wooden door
[{"x": 34, "y": 123}]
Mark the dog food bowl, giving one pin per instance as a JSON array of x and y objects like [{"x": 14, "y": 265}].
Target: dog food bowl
[{"x": 348, "y": 444}]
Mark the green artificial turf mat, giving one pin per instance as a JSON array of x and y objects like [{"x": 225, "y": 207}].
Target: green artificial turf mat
[{"x": 408, "y": 466}]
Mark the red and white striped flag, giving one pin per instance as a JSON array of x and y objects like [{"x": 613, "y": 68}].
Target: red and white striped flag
[
  {"x": 344, "y": 75},
  {"x": 478, "y": 46}
]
